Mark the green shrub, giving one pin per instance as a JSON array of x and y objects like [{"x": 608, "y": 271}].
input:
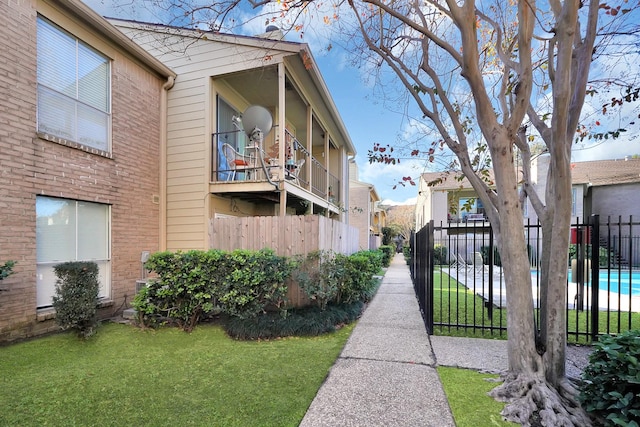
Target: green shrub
[
  {"x": 254, "y": 282},
  {"x": 440, "y": 255},
  {"x": 184, "y": 290},
  {"x": 307, "y": 321},
  {"x": 387, "y": 235},
  {"x": 315, "y": 274},
  {"x": 611, "y": 388},
  {"x": 6, "y": 269},
  {"x": 147, "y": 304},
  {"x": 192, "y": 284},
  {"x": 247, "y": 284},
  {"x": 76, "y": 296},
  {"x": 387, "y": 254},
  {"x": 375, "y": 260},
  {"x": 327, "y": 277},
  {"x": 605, "y": 257},
  {"x": 406, "y": 251},
  {"x": 355, "y": 275}
]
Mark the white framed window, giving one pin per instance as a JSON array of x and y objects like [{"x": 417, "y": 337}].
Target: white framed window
[
  {"x": 74, "y": 88},
  {"x": 229, "y": 128},
  {"x": 71, "y": 230}
]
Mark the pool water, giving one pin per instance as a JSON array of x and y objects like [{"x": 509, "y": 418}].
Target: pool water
[{"x": 619, "y": 281}]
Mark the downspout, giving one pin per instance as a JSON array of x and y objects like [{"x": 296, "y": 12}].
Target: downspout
[{"x": 163, "y": 161}]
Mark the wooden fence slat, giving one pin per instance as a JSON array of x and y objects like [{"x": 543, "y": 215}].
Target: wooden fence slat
[{"x": 290, "y": 235}]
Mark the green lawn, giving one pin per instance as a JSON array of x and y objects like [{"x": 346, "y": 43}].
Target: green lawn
[
  {"x": 470, "y": 404},
  {"x": 455, "y": 304},
  {"x": 127, "y": 376}
]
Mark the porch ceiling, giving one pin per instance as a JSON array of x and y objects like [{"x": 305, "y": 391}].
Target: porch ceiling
[{"x": 260, "y": 87}]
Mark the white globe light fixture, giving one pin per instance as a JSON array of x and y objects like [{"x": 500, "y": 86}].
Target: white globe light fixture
[{"x": 257, "y": 122}]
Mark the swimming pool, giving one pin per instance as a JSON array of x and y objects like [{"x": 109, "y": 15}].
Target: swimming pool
[{"x": 619, "y": 281}]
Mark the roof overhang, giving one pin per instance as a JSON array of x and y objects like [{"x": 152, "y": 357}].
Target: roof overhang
[{"x": 102, "y": 26}]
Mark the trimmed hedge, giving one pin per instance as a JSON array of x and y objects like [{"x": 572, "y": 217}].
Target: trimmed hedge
[
  {"x": 316, "y": 277},
  {"x": 387, "y": 254},
  {"x": 249, "y": 287},
  {"x": 326, "y": 277},
  {"x": 307, "y": 321},
  {"x": 356, "y": 272},
  {"x": 184, "y": 290},
  {"x": 252, "y": 282},
  {"x": 76, "y": 297},
  {"x": 191, "y": 285}
]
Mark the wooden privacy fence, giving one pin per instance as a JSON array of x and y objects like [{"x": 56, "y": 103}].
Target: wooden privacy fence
[{"x": 287, "y": 235}]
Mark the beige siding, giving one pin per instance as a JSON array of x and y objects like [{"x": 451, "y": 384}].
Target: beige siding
[
  {"x": 440, "y": 207},
  {"x": 187, "y": 168},
  {"x": 360, "y": 212},
  {"x": 190, "y": 125}
]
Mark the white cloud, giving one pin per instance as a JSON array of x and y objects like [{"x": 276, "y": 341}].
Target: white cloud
[
  {"x": 609, "y": 149},
  {"x": 385, "y": 177},
  {"x": 407, "y": 202},
  {"x": 378, "y": 171}
]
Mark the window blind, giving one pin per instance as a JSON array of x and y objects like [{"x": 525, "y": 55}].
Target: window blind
[{"x": 73, "y": 88}]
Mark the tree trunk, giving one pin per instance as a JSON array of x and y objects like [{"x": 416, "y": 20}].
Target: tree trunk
[
  {"x": 523, "y": 357},
  {"x": 554, "y": 326},
  {"x": 535, "y": 386}
]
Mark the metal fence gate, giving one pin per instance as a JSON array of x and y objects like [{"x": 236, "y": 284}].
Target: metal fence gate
[{"x": 457, "y": 275}]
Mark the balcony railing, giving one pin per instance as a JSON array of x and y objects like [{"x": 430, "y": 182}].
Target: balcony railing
[
  {"x": 253, "y": 164},
  {"x": 334, "y": 189},
  {"x": 318, "y": 179}
]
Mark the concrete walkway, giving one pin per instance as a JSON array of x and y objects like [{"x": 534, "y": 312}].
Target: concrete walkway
[{"x": 385, "y": 375}]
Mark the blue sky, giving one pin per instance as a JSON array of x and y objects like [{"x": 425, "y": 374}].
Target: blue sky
[{"x": 370, "y": 119}]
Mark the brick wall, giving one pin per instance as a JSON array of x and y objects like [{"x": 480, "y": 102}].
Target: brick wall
[{"x": 30, "y": 165}]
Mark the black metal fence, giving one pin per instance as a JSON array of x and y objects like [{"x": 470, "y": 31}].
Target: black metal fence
[{"x": 457, "y": 275}]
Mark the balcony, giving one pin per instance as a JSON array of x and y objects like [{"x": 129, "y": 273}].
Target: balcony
[{"x": 253, "y": 169}]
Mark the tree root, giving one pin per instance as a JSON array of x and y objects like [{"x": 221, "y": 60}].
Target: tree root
[{"x": 532, "y": 402}]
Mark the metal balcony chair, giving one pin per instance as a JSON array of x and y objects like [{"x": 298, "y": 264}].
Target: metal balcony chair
[
  {"x": 294, "y": 170},
  {"x": 237, "y": 163}
]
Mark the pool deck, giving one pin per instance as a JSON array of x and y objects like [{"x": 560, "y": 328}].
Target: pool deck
[{"x": 493, "y": 288}]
